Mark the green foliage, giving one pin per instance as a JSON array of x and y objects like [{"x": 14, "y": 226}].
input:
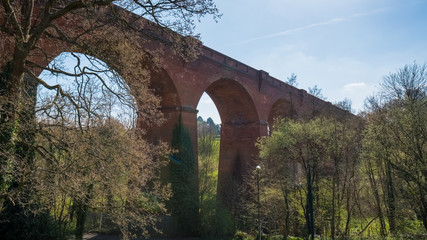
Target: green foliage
[
  {"x": 379, "y": 194},
  {"x": 311, "y": 168},
  {"x": 216, "y": 221},
  {"x": 395, "y": 147},
  {"x": 208, "y": 179},
  {"x": 184, "y": 203},
  {"x": 239, "y": 235},
  {"x": 224, "y": 222},
  {"x": 307, "y": 144}
]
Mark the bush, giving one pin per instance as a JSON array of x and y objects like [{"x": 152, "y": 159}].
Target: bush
[
  {"x": 18, "y": 223},
  {"x": 239, "y": 235},
  {"x": 224, "y": 222},
  {"x": 293, "y": 238}
]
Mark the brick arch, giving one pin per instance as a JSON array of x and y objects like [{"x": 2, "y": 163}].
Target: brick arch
[
  {"x": 239, "y": 131},
  {"x": 281, "y": 108},
  {"x": 234, "y": 104},
  {"x": 97, "y": 43}
]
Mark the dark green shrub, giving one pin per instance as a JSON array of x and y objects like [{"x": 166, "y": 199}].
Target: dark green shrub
[
  {"x": 224, "y": 223},
  {"x": 18, "y": 223},
  {"x": 184, "y": 203}
]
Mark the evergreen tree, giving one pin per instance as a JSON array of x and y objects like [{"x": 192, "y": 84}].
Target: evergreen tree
[{"x": 184, "y": 202}]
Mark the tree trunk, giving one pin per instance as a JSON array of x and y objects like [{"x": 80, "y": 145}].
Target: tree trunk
[
  {"x": 310, "y": 204},
  {"x": 10, "y": 99},
  {"x": 334, "y": 179},
  {"x": 423, "y": 209},
  {"x": 287, "y": 210},
  {"x": 81, "y": 213},
  {"x": 27, "y": 121},
  {"x": 377, "y": 199},
  {"x": 424, "y": 218},
  {"x": 391, "y": 208},
  {"x": 349, "y": 210}
]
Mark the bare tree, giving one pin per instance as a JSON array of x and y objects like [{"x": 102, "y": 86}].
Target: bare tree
[
  {"x": 292, "y": 80},
  {"x": 33, "y": 33},
  {"x": 344, "y": 104},
  {"x": 317, "y": 92}
]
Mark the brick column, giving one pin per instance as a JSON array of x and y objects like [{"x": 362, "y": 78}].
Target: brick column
[{"x": 237, "y": 160}]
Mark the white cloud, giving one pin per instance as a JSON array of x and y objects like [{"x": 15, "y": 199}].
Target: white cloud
[{"x": 353, "y": 86}]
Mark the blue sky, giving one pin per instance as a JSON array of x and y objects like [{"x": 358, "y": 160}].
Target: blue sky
[{"x": 345, "y": 47}]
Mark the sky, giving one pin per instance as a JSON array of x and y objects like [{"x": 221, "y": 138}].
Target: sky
[{"x": 345, "y": 47}]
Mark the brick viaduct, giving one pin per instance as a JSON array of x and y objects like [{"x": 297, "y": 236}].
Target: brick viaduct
[{"x": 247, "y": 99}]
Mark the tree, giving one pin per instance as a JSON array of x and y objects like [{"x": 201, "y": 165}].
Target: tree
[
  {"x": 326, "y": 151},
  {"x": 344, "y": 104},
  {"x": 103, "y": 29},
  {"x": 208, "y": 128},
  {"x": 317, "y": 92},
  {"x": 184, "y": 204},
  {"x": 111, "y": 172},
  {"x": 375, "y": 155},
  {"x": 208, "y": 157},
  {"x": 88, "y": 161},
  {"x": 344, "y": 153},
  {"x": 306, "y": 144},
  {"x": 292, "y": 80},
  {"x": 396, "y": 125}
]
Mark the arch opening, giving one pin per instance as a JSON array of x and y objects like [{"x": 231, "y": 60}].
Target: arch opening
[
  {"x": 208, "y": 142},
  {"x": 87, "y": 147},
  {"x": 91, "y": 90},
  {"x": 239, "y": 131}
]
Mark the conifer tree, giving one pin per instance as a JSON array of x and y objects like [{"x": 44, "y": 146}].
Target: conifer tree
[{"x": 184, "y": 202}]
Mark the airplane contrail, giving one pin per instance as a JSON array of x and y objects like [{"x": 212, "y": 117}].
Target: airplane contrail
[{"x": 314, "y": 25}]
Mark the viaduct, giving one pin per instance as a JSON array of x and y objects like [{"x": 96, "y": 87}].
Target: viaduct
[{"x": 247, "y": 99}]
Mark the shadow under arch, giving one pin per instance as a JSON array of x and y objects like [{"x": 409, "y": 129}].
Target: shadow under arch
[{"x": 240, "y": 129}]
